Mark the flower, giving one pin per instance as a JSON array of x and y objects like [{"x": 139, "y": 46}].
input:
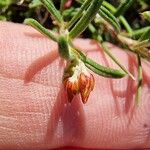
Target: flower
[
  {"x": 86, "y": 84},
  {"x": 80, "y": 82}
]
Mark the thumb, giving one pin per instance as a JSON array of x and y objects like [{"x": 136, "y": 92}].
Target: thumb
[{"x": 37, "y": 115}]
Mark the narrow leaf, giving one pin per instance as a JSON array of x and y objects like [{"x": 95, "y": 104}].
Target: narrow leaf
[
  {"x": 79, "y": 13},
  {"x": 116, "y": 61},
  {"x": 103, "y": 71},
  {"x": 136, "y": 34},
  {"x": 107, "y": 15},
  {"x": 99, "y": 69},
  {"x": 123, "y": 7},
  {"x": 52, "y": 9},
  {"x": 145, "y": 35},
  {"x": 121, "y": 18},
  {"x": 41, "y": 29},
  {"x": 86, "y": 18}
]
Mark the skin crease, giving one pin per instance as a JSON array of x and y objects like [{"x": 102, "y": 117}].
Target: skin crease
[{"x": 36, "y": 114}]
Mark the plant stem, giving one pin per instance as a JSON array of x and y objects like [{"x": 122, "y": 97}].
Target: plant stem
[
  {"x": 144, "y": 52},
  {"x": 130, "y": 43},
  {"x": 142, "y": 44},
  {"x": 63, "y": 47}
]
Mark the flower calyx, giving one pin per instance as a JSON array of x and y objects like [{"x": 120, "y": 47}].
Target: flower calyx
[{"x": 77, "y": 80}]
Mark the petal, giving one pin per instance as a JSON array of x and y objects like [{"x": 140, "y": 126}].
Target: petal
[
  {"x": 86, "y": 86},
  {"x": 72, "y": 89}
]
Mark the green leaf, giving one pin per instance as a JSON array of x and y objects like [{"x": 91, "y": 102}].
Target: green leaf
[
  {"x": 99, "y": 69},
  {"x": 107, "y": 15},
  {"x": 136, "y": 34},
  {"x": 78, "y": 14},
  {"x": 40, "y": 28},
  {"x": 116, "y": 60},
  {"x": 121, "y": 18},
  {"x": 103, "y": 71},
  {"x": 52, "y": 9},
  {"x": 84, "y": 21},
  {"x": 145, "y": 35},
  {"x": 125, "y": 4}
]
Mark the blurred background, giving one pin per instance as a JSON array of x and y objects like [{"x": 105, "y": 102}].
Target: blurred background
[{"x": 18, "y": 10}]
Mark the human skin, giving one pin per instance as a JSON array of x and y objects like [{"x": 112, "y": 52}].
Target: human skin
[{"x": 35, "y": 113}]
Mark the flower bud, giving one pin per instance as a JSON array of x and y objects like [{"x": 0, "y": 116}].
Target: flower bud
[
  {"x": 72, "y": 89},
  {"x": 86, "y": 84},
  {"x": 81, "y": 82}
]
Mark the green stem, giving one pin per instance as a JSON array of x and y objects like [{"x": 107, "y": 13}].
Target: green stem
[
  {"x": 41, "y": 29},
  {"x": 144, "y": 52},
  {"x": 52, "y": 9},
  {"x": 86, "y": 18},
  {"x": 63, "y": 47}
]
